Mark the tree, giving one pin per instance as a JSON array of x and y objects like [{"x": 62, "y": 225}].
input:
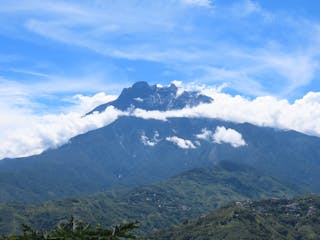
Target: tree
[{"x": 76, "y": 229}]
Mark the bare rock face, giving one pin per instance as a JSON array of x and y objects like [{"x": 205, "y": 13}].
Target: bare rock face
[{"x": 142, "y": 95}]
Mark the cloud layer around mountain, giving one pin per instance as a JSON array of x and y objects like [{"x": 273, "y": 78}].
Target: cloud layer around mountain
[
  {"x": 303, "y": 115},
  {"x": 30, "y": 134},
  {"x": 27, "y": 134}
]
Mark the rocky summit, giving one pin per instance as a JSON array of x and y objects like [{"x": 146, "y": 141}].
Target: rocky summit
[{"x": 152, "y": 97}]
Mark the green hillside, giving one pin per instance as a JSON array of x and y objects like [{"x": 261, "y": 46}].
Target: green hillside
[
  {"x": 115, "y": 157},
  {"x": 187, "y": 195},
  {"x": 273, "y": 219}
]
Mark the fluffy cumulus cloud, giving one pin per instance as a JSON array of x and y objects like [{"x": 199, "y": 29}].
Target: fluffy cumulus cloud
[
  {"x": 23, "y": 133},
  {"x": 181, "y": 143},
  {"x": 302, "y": 115},
  {"x": 228, "y": 135},
  {"x": 222, "y": 135},
  {"x": 205, "y": 135},
  {"x": 151, "y": 142}
]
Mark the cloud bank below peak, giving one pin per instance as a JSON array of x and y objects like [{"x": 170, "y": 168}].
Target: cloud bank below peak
[
  {"x": 32, "y": 134},
  {"x": 303, "y": 115},
  {"x": 24, "y": 133}
]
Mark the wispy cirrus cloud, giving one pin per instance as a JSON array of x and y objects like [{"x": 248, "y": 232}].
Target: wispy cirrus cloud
[
  {"x": 248, "y": 7},
  {"x": 234, "y": 38},
  {"x": 263, "y": 71}
]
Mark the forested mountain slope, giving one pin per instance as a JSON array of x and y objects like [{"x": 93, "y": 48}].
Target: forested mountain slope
[
  {"x": 275, "y": 219},
  {"x": 184, "y": 196}
]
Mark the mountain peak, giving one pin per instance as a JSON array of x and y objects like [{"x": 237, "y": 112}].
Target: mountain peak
[
  {"x": 151, "y": 97},
  {"x": 140, "y": 85}
]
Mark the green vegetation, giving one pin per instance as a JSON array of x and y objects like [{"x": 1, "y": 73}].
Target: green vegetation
[
  {"x": 76, "y": 229},
  {"x": 273, "y": 219},
  {"x": 185, "y": 196},
  {"x": 114, "y": 157}
]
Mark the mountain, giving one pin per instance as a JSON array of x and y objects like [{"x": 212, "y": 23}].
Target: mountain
[
  {"x": 135, "y": 151},
  {"x": 274, "y": 219},
  {"x": 142, "y": 95},
  {"x": 184, "y": 196}
]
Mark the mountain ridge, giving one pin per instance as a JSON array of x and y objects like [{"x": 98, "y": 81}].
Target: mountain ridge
[{"x": 183, "y": 196}]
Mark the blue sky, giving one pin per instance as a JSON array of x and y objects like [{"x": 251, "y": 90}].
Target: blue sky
[{"x": 54, "y": 49}]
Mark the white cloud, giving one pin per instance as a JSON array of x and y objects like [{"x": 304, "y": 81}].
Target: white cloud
[
  {"x": 138, "y": 99},
  {"x": 23, "y": 133},
  {"x": 284, "y": 71},
  {"x": 290, "y": 59},
  {"x": 51, "y": 131},
  {"x": 85, "y": 103},
  {"x": 181, "y": 143},
  {"x": 240, "y": 80},
  {"x": 45, "y": 84},
  {"x": 228, "y": 135},
  {"x": 98, "y": 27},
  {"x": 150, "y": 142},
  {"x": 294, "y": 69},
  {"x": 205, "y": 135},
  {"x": 222, "y": 134},
  {"x": 303, "y": 115}
]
